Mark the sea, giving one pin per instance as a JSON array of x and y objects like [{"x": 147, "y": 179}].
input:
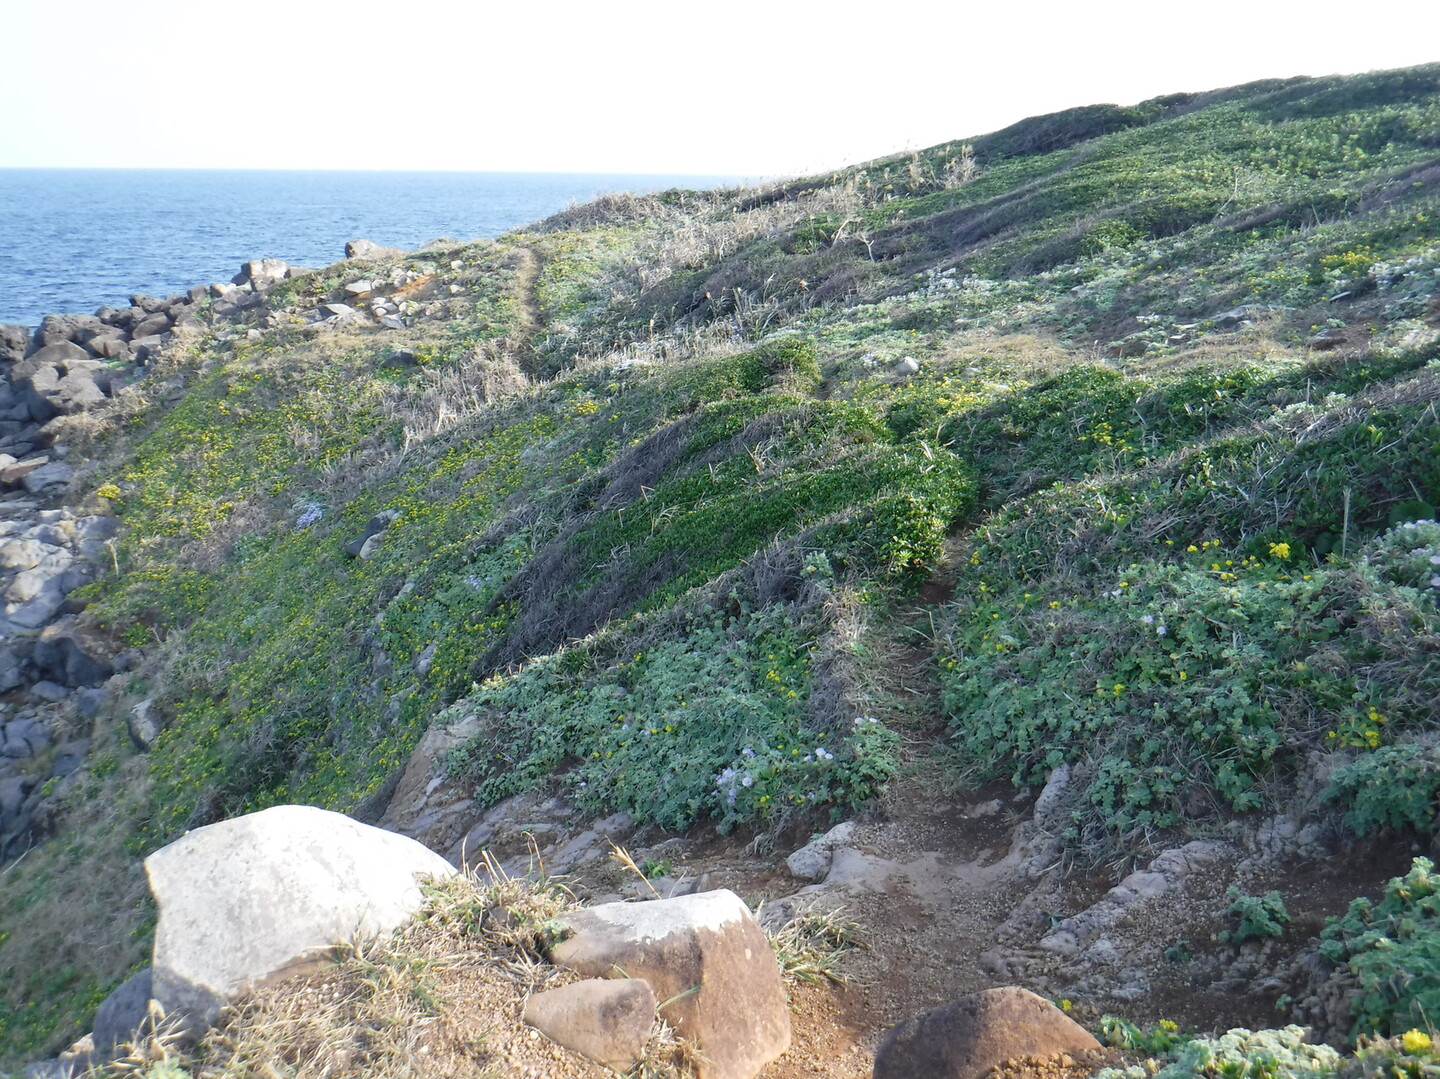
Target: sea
[{"x": 72, "y": 240}]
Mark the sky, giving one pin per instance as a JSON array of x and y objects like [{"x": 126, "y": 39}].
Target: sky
[{"x": 739, "y": 88}]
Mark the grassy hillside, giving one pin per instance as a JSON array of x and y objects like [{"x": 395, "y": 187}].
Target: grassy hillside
[{"x": 655, "y": 484}]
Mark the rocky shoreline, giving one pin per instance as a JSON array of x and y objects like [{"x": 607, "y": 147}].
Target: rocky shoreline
[{"x": 52, "y": 672}]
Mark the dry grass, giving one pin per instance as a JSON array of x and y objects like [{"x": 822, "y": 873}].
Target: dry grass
[
  {"x": 443, "y": 997},
  {"x": 811, "y": 946}
]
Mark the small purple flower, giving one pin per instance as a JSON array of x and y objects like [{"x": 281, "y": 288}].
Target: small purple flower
[{"x": 747, "y": 782}]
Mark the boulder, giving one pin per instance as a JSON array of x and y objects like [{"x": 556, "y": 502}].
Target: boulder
[
  {"x": 968, "y": 1037},
  {"x": 1326, "y": 340},
  {"x": 143, "y": 725},
  {"x": 368, "y": 249},
  {"x": 151, "y": 325},
  {"x": 812, "y": 861},
  {"x": 57, "y": 354},
  {"x": 146, "y": 304},
  {"x": 363, "y": 546},
  {"x": 48, "y": 477},
  {"x": 12, "y": 670},
  {"x": 359, "y": 288},
  {"x": 270, "y": 894},
  {"x": 905, "y": 367},
  {"x": 706, "y": 958},
  {"x": 13, "y": 793},
  {"x": 14, "y": 342},
  {"x": 122, "y": 1016},
  {"x": 57, "y": 329},
  {"x": 262, "y": 273},
  {"x": 608, "y": 1020},
  {"x": 61, "y": 657}
]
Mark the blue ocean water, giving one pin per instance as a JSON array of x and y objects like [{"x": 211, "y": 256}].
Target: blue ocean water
[{"x": 73, "y": 239}]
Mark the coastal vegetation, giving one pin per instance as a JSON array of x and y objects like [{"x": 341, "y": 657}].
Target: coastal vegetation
[{"x": 1137, "y": 407}]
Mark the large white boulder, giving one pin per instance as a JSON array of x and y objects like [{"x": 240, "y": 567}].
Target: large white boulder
[{"x": 270, "y": 894}]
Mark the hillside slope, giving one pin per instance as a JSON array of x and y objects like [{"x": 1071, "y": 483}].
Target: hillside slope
[{"x": 1131, "y": 410}]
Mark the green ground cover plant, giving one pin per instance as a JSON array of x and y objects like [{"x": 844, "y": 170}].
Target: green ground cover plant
[{"x": 645, "y": 461}]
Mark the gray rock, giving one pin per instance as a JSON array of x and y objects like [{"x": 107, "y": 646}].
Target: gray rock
[
  {"x": 152, "y": 326},
  {"x": 262, "y": 273},
  {"x": 738, "y": 1019},
  {"x": 148, "y": 304},
  {"x": 374, "y": 527},
  {"x": 13, "y": 793},
  {"x": 14, "y": 342},
  {"x": 143, "y": 724},
  {"x": 122, "y": 1016},
  {"x": 61, "y": 657},
  {"x": 45, "y": 690},
  {"x": 57, "y": 354},
  {"x": 1326, "y": 340},
  {"x": 969, "y": 1037},
  {"x": 907, "y": 366},
  {"x": 359, "y": 288},
  {"x": 12, "y": 670},
  {"x": 393, "y": 322},
  {"x": 812, "y": 861},
  {"x": 72, "y": 754},
  {"x": 48, "y": 477},
  {"x": 367, "y": 249},
  {"x": 25, "y": 737},
  {"x": 328, "y": 309},
  {"x": 608, "y": 1021},
  {"x": 269, "y": 894},
  {"x": 89, "y": 700}
]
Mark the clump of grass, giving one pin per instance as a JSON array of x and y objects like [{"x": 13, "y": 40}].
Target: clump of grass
[
  {"x": 442, "y": 996},
  {"x": 811, "y": 946}
]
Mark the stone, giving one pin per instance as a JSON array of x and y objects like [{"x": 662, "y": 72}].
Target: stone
[
  {"x": 71, "y": 754},
  {"x": 907, "y": 366},
  {"x": 26, "y": 737},
  {"x": 13, "y": 793},
  {"x": 968, "y": 1037},
  {"x": 58, "y": 353},
  {"x": 54, "y": 329},
  {"x": 143, "y": 725},
  {"x": 151, "y": 326},
  {"x": 61, "y": 657},
  {"x": 706, "y": 958},
  {"x": 47, "y": 477},
  {"x": 359, "y": 288},
  {"x": 270, "y": 894},
  {"x": 392, "y": 322},
  {"x": 608, "y": 1021},
  {"x": 122, "y": 1015},
  {"x": 14, "y": 341},
  {"x": 328, "y": 309},
  {"x": 368, "y": 249},
  {"x": 356, "y": 548},
  {"x": 812, "y": 861},
  {"x": 24, "y": 552},
  {"x": 262, "y": 273},
  {"x": 46, "y": 690},
  {"x": 1326, "y": 340}
]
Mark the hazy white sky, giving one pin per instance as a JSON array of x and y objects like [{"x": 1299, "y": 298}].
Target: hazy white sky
[{"x": 742, "y": 87}]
